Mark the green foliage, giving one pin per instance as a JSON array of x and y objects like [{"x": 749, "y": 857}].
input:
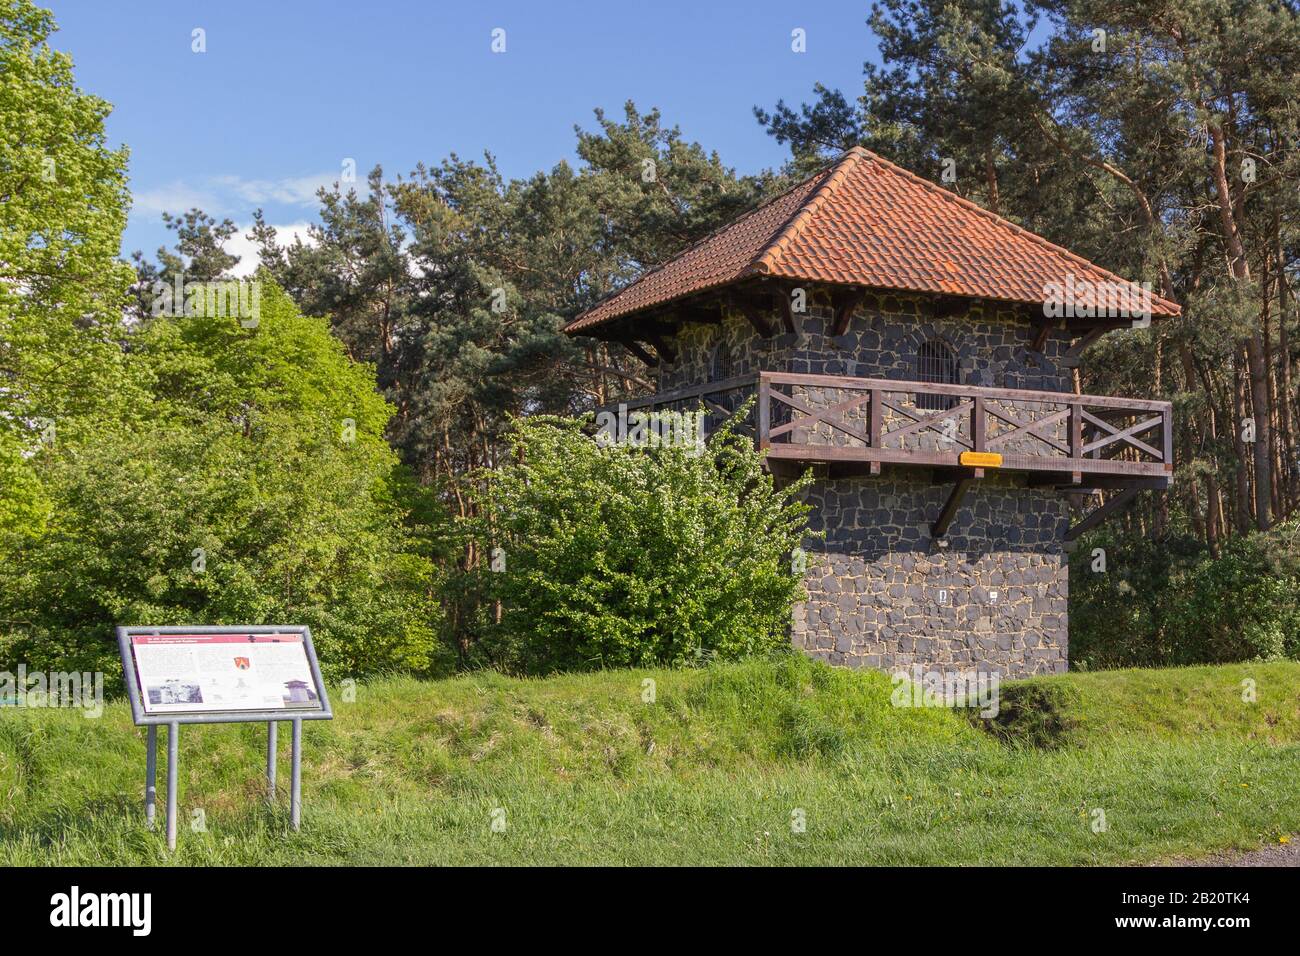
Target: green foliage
[
  {"x": 1241, "y": 607},
  {"x": 456, "y": 281},
  {"x": 199, "y": 255},
  {"x": 649, "y": 193},
  {"x": 122, "y": 451},
  {"x": 63, "y": 205},
  {"x": 624, "y": 556},
  {"x": 177, "y": 471},
  {"x": 23, "y": 506},
  {"x": 1172, "y": 603},
  {"x": 256, "y": 487}
]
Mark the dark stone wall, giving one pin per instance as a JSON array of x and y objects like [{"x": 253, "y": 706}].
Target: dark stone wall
[
  {"x": 881, "y": 593},
  {"x": 993, "y": 346}
]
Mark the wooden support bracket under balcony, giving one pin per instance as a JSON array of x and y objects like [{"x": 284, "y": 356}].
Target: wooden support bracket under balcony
[
  {"x": 1073, "y": 355},
  {"x": 1116, "y": 504},
  {"x": 949, "y": 510}
]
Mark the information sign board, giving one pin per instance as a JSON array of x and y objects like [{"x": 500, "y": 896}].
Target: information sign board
[{"x": 217, "y": 674}]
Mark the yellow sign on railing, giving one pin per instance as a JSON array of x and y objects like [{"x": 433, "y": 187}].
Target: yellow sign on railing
[{"x": 981, "y": 459}]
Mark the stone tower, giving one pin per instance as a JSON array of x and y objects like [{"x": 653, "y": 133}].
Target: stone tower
[{"x": 915, "y": 351}]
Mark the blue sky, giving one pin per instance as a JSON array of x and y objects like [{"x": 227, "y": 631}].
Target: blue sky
[{"x": 286, "y": 91}]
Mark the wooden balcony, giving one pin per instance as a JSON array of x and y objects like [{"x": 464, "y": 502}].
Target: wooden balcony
[{"x": 858, "y": 425}]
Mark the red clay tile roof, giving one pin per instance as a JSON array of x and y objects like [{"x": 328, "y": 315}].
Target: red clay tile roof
[{"x": 864, "y": 221}]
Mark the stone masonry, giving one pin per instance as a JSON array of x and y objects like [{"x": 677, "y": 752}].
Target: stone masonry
[
  {"x": 880, "y": 592},
  {"x": 881, "y": 595}
]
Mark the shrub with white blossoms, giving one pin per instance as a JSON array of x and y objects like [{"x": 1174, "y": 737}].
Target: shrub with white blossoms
[{"x": 623, "y": 554}]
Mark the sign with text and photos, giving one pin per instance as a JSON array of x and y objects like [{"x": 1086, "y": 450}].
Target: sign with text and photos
[{"x": 216, "y": 674}]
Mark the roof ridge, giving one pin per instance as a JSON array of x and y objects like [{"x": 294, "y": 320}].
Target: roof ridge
[
  {"x": 724, "y": 227},
  {"x": 768, "y": 256},
  {"x": 879, "y": 230},
  {"x": 951, "y": 196}
]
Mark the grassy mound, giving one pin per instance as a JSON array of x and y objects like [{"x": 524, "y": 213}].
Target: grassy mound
[
  {"x": 1173, "y": 704},
  {"x": 783, "y": 761}
]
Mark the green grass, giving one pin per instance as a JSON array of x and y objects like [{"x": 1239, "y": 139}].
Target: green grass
[{"x": 710, "y": 772}]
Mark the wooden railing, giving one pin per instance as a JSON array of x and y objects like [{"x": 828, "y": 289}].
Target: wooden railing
[
  {"x": 878, "y": 421},
  {"x": 720, "y": 399},
  {"x": 842, "y": 420}
]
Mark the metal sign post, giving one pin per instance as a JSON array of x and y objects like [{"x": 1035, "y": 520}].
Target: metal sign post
[
  {"x": 151, "y": 776},
  {"x": 216, "y": 675},
  {"x": 271, "y": 728},
  {"x": 173, "y": 759}
]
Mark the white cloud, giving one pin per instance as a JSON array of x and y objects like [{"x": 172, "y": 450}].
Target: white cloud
[
  {"x": 289, "y": 191},
  {"x": 176, "y": 198},
  {"x": 231, "y": 194},
  {"x": 240, "y": 245}
]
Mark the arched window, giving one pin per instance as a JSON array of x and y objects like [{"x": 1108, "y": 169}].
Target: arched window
[
  {"x": 938, "y": 364},
  {"x": 720, "y": 364},
  {"x": 719, "y": 369}
]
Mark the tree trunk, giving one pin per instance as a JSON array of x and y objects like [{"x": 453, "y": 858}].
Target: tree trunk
[
  {"x": 1256, "y": 366},
  {"x": 1239, "y": 389},
  {"x": 1288, "y": 445},
  {"x": 991, "y": 182},
  {"x": 1262, "y": 449}
]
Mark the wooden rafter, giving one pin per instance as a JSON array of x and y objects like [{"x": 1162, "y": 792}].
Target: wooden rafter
[
  {"x": 760, "y": 324},
  {"x": 844, "y": 302},
  {"x": 664, "y": 348},
  {"x": 1074, "y": 353},
  {"x": 753, "y": 307},
  {"x": 1044, "y": 328},
  {"x": 785, "y": 309},
  {"x": 635, "y": 347}
]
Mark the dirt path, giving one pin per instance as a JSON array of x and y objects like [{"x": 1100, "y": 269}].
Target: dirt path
[{"x": 1274, "y": 854}]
